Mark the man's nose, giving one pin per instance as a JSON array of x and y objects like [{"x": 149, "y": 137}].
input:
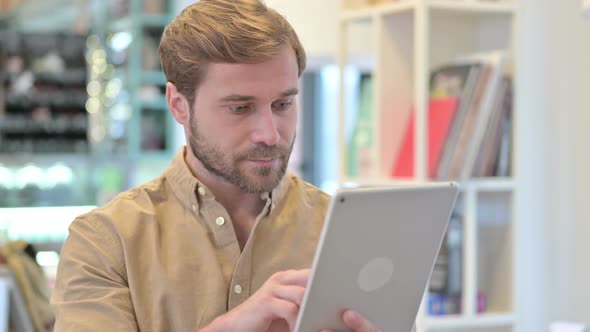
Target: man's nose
[{"x": 266, "y": 125}]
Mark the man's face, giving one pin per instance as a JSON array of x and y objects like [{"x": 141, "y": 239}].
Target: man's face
[{"x": 243, "y": 121}]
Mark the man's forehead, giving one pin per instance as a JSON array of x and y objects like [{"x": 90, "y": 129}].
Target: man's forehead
[
  {"x": 252, "y": 70},
  {"x": 285, "y": 60}
]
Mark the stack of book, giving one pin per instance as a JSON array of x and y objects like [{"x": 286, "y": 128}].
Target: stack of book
[{"x": 469, "y": 121}]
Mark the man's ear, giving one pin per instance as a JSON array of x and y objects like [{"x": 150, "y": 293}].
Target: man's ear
[{"x": 178, "y": 104}]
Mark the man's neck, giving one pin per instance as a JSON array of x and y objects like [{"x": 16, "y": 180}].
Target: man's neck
[{"x": 245, "y": 206}]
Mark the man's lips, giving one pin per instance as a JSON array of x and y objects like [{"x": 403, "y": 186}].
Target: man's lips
[{"x": 264, "y": 162}]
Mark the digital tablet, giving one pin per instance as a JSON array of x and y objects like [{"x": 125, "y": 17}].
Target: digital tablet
[{"x": 375, "y": 255}]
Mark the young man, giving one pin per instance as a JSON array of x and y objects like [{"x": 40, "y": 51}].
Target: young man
[{"x": 222, "y": 240}]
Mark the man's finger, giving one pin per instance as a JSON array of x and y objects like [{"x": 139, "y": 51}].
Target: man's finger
[
  {"x": 285, "y": 310},
  {"x": 293, "y": 294},
  {"x": 357, "y": 322},
  {"x": 293, "y": 277}
]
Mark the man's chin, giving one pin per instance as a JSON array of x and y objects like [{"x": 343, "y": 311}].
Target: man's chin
[{"x": 258, "y": 182}]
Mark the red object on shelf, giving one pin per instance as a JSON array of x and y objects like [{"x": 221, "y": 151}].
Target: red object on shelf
[{"x": 441, "y": 112}]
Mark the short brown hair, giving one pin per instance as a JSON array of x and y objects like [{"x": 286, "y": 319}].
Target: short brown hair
[{"x": 223, "y": 31}]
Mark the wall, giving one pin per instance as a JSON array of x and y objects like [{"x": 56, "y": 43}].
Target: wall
[
  {"x": 553, "y": 67},
  {"x": 316, "y": 23}
]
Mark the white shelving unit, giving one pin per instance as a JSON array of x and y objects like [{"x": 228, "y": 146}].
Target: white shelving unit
[
  {"x": 458, "y": 322},
  {"x": 404, "y": 40}
]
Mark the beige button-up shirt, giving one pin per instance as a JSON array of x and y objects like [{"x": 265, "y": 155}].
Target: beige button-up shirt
[{"x": 164, "y": 256}]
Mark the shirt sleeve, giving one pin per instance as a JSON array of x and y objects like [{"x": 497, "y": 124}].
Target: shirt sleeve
[{"x": 91, "y": 290}]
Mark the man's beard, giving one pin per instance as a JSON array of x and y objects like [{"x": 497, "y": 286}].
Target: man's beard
[{"x": 231, "y": 167}]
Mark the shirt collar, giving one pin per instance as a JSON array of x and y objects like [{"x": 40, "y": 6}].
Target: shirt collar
[{"x": 192, "y": 193}]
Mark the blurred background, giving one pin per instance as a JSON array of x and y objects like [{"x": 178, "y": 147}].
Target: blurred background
[{"x": 494, "y": 94}]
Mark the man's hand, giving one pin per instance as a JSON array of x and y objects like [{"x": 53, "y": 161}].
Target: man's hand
[
  {"x": 275, "y": 303},
  {"x": 275, "y": 306},
  {"x": 357, "y": 322}
]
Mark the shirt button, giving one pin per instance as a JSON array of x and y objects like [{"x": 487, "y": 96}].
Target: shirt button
[
  {"x": 202, "y": 191},
  {"x": 220, "y": 221},
  {"x": 194, "y": 208},
  {"x": 237, "y": 289}
]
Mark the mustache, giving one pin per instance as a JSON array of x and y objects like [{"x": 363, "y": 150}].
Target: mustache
[{"x": 263, "y": 152}]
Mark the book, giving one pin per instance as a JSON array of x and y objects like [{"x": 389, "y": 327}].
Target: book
[
  {"x": 504, "y": 160},
  {"x": 440, "y": 272},
  {"x": 448, "y": 94},
  {"x": 359, "y": 149},
  {"x": 476, "y": 78},
  {"x": 440, "y": 115},
  {"x": 456, "y": 146},
  {"x": 443, "y": 304},
  {"x": 473, "y": 132},
  {"x": 450, "y": 80},
  {"x": 454, "y": 246},
  {"x": 489, "y": 152},
  {"x": 447, "y": 274}
]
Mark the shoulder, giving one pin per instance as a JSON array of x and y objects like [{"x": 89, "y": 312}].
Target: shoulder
[
  {"x": 126, "y": 210},
  {"x": 309, "y": 195}
]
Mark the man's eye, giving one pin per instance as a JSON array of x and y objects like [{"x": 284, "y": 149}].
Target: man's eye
[
  {"x": 239, "y": 109},
  {"x": 281, "y": 106}
]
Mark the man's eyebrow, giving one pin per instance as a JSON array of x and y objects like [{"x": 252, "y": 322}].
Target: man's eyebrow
[
  {"x": 290, "y": 92},
  {"x": 237, "y": 98},
  {"x": 243, "y": 98}
]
